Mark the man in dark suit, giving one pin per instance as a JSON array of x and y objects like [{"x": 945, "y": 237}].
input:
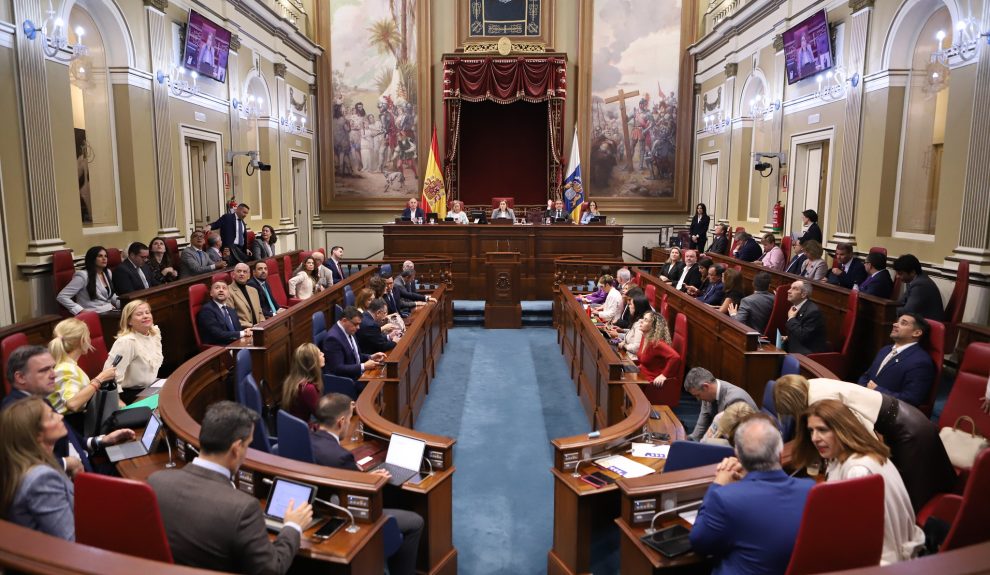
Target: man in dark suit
[
  {"x": 714, "y": 394},
  {"x": 754, "y": 309},
  {"x": 194, "y": 260},
  {"x": 720, "y": 245},
  {"x": 233, "y": 233},
  {"x": 690, "y": 275},
  {"x": 405, "y": 295},
  {"x": 813, "y": 232},
  {"x": 133, "y": 273},
  {"x": 877, "y": 280},
  {"x": 217, "y": 322},
  {"x": 797, "y": 260},
  {"x": 31, "y": 372},
  {"x": 333, "y": 419},
  {"x": 341, "y": 351},
  {"x": 412, "y": 211},
  {"x": 333, "y": 262},
  {"x": 848, "y": 270},
  {"x": 749, "y": 249},
  {"x": 904, "y": 370},
  {"x": 370, "y": 336},
  {"x": 714, "y": 292},
  {"x": 390, "y": 300},
  {"x": 557, "y": 212},
  {"x": 805, "y": 324},
  {"x": 211, "y": 525},
  {"x": 749, "y": 518},
  {"x": 269, "y": 306},
  {"x": 921, "y": 295}
]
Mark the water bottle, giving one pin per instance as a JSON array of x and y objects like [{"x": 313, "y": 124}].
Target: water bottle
[{"x": 358, "y": 434}]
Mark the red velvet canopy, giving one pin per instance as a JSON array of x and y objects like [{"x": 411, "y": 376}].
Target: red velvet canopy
[{"x": 503, "y": 80}]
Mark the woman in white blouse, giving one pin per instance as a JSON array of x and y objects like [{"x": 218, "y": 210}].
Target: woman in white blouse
[
  {"x": 306, "y": 282},
  {"x": 139, "y": 345},
  {"x": 73, "y": 388},
  {"x": 457, "y": 213},
  {"x": 90, "y": 288},
  {"x": 831, "y": 432},
  {"x": 611, "y": 310}
]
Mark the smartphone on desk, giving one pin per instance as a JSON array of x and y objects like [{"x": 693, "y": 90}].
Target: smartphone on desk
[
  {"x": 594, "y": 481},
  {"x": 329, "y": 528}
]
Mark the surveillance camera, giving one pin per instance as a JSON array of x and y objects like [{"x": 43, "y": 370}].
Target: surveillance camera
[
  {"x": 263, "y": 166},
  {"x": 762, "y": 166}
]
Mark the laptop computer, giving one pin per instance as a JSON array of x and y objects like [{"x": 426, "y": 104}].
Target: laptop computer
[
  {"x": 283, "y": 491},
  {"x": 137, "y": 448},
  {"x": 404, "y": 457}
]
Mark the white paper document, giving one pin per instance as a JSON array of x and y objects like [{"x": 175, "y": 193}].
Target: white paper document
[
  {"x": 623, "y": 466},
  {"x": 689, "y": 516},
  {"x": 158, "y": 383},
  {"x": 650, "y": 450}
]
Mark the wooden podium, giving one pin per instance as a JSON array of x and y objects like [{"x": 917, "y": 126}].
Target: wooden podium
[{"x": 502, "y": 290}]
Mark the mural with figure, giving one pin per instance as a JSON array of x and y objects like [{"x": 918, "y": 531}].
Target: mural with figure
[
  {"x": 375, "y": 98},
  {"x": 634, "y": 98}
]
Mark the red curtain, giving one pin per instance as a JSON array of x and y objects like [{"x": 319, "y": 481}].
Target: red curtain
[{"x": 504, "y": 81}]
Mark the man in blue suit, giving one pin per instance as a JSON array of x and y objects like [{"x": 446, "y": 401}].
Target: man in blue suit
[
  {"x": 412, "y": 211},
  {"x": 233, "y": 233},
  {"x": 371, "y": 336},
  {"x": 877, "y": 280},
  {"x": 341, "y": 350},
  {"x": 217, "y": 322},
  {"x": 904, "y": 370},
  {"x": 333, "y": 263},
  {"x": 750, "y": 515},
  {"x": 849, "y": 270},
  {"x": 749, "y": 250}
]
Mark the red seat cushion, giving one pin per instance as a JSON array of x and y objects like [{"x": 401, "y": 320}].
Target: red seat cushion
[
  {"x": 92, "y": 363},
  {"x": 7, "y": 347},
  {"x": 120, "y": 515}
]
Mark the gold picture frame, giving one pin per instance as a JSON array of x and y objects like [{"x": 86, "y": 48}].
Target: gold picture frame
[{"x": 464, "y": 37}]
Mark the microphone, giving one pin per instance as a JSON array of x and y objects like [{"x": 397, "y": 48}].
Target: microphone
[
  {"x": 577, "y": 474},
  {"x": 651, "y": 530},
  {"x": 352, "y": 528},
  {"x": 190, "y": 446},
  {"x": 116, "y": 360},
  {"x": 429, "y": 463},
  {"x": 171, "y": 462},
  {"x": 111, "y": 385}
]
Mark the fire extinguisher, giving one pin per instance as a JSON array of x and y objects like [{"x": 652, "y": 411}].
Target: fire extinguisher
[{"x": 777, "y": 217}]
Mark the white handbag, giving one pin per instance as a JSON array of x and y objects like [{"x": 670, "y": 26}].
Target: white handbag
[{"x": 962, "y": 446}]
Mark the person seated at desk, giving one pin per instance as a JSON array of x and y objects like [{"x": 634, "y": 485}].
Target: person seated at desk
[
  {"x": 713, "y": 293},
  {"x": 749, "y": 518},
  {"x": 611, "y": 310},
  {"x": 343, "y": 356},
  {"x": 139, "y": 346},
  {"x": 877, "y": 282},
  {"x": 829, "y": 431},
  {"x": 217, "y": 322},
  {"x": 773, "y": 256},
  {"x": 372, "y": 337},
  {"x": 194, "y": 261},
  {"x": 159, "y": 262},
  {"x": 333, "y": 419},
  {"x": 805, "y": 323},
  {"x": 35, "y": 492},
  {"x": 269, "y": 306},
  {"x": 847, "y": 271},
  {"x": 333, "y": 262},
  {"x": 714, "y": 394},
  {"x": 657, "y": 358},
  {"x": 211, "y": 525},
  {"x": 732, "y": 282},
  {"x": 413, "y": 211},
  {"x": 814, "y": 266},
  {"x": 632, "y": 339},
  {"x": 214, "y": 248},
  {"x": 503, "y": 212},
  {"x": 904, "y": 370},
  {"x": 557, "y": 213},
  {"x": 749, "y": 250},
  {"x": 797, "y": 260},
  {"x": 457, "y": 213},
  {"x": 363, "y": 298},
  {"x": 133, "y": 273},
  {"x": 385, "y": 292},
  {"x": 629, "y": 316},
  {"x": 91, "y": 288},
  {"x": 720, "y": 244},
  {"x": 322, "y": 271},
  {"x": 921, "y": 295},
  {"x": 591, "y": 213},
  {"x": 302, "y": 388},
  {"x": 73, "y": 388},
  {"x": 671, "y": 270},
  {"x": 264, "y": 243},
  {"x": 754, "y": 309},
  {"x": 405, "y": 295},
  {"x": 724, "y": 424},
  {"x": 245, "y": 297},
  {"x": 690, "y": 276},
  {"x": 596, "y": 297},
  {"x": 306, "y": 281}
]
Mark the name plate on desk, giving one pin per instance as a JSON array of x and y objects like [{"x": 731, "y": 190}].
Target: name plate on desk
[{"x": 245, "y": 481}]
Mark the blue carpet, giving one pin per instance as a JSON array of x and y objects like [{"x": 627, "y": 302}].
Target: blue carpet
[{"x": 503, "y": 394}]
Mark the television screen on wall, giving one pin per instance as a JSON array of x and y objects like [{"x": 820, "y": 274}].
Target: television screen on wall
[
  {"x": 207, "y": 44},
  {"x": 808, "y": 48}
]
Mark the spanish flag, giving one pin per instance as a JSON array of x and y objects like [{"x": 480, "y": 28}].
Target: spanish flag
[{"x": 434, "y": 197}]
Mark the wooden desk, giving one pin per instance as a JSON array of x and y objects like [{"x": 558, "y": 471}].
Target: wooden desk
[
  {"x": 970, "y": 333},
  {"x": 538, "y": 245}
]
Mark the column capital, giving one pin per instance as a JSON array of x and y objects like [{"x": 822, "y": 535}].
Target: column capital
[
  {"x": 697, "y": 89},
  {"x": 857, "y": 5},
  {"x": 731, "y": 70},
  {"x": 235, "y": 42},
  {"x": 778, "y": 42},
  {"x": 280, "y": 70},
  {"x": 160, "y": 5},
  {"x": 312, "y": 89}
]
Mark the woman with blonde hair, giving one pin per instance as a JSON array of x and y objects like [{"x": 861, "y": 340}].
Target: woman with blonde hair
[
  {"x": 363, "y": 298},
  {"x": 910, "y": 435},
  {"x": 139, "y": 345},
  {"x": 657, "y": 358},
  {"x": 724, "y": 424},
  {"x": 303, "y": 387},
  {"x": 814, "y": 268},
  {"x": 34, "y": 490},
  {"x": 671, "y": 270},
  {"x": 829, "y": 431},
  {"x": 73, "y": 388}
]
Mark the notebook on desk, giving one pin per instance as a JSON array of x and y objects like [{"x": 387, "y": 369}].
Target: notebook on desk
[
  {"x": 404, "y": 457},
  {"x": 140, "y": 448},
  {"x": 281, "y": 493}
]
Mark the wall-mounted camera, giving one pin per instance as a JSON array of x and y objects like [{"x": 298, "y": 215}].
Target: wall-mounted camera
[
  {"x": 765, "y": 168},
  {"x": 253, "y": 164}
]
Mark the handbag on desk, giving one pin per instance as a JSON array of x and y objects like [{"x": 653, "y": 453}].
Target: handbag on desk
[{"x": 962, "y": 446}]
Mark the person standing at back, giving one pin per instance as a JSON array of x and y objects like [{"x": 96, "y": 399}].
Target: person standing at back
[
  {"x": 699, "y": 228},
  {"x": 233, "y": 233}
]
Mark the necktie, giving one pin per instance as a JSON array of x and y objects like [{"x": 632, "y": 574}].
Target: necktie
[
  {"x": 890, "y": 356},
  {"x": 354, "y": 348},
  {"x": 199, "y": 256},
  {"x": 144, "y": 280},
  {"x": 684, "y": 274},
  {"x": 240, "y": 234},
  {"x": 271, "y": 304},
  {"x": 226, "y": 316}
]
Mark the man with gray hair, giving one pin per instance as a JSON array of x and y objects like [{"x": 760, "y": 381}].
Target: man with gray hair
[
  {"x": 625, "y": 277},
  {"x": 714, "y": 394},
  {"x": 750, "y": 515},
  {"x": 805, "y": 323},
  {"x": 749, "y": 250}
]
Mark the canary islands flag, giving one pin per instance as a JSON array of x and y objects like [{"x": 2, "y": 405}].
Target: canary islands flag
[
  {"x": 434, "y": 197},
  {"x": 573, "y": 186}
]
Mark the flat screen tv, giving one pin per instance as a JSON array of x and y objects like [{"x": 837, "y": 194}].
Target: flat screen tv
[
  {"x": 808, "y": 48},
  {"x": 207, "y": 44}
]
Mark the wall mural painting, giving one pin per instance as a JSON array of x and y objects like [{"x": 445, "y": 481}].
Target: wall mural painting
[
  {"x": 634, "y": 98},
  {"x": 375, "y": 98}
]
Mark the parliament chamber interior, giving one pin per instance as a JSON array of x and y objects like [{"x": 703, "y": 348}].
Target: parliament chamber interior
[{"x": 495, "y": 286}]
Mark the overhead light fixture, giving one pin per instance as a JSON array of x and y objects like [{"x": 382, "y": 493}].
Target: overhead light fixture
[{"x": 54, "y": 38}]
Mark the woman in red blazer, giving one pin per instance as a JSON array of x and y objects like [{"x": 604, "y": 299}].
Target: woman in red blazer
[{"x": 657, "y": 359}]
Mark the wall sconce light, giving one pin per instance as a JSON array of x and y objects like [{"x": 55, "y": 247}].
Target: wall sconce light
[
  {"x": 293, "y": 124},
  {"x": 716, "y": 123},
  {"x": 177, "y": 84},
  {"x": 250, "y": 108},
  {"x": 762, "y": 106},
  {"x": 54, "y": 38},
  {"x": 965, "y": 45},
  {"x": 834, "y": 84}
]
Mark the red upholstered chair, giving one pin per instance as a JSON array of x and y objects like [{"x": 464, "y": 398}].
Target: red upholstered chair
[
  {"x": 778, "y": 315},
  {"x": 785, "y": 246},
  {"x": 7, "y": 347},
  {"x": 113, "y": 258},
  {"x": 651, "y": 294},
  {"x": 62, "y": 270},
  {"x": 679, "y": 341},
  {"x": 970, "y": 385},
  {"x": 172, "y": 249},
  {"x": 250, "y": 239},
  {"x": 956, "y": 306},
  {"x": 92, "y": 363},
  {"x": 323, "y": 251},
  {"x": 286, "y": 267},
  {"x": 879, "y": 250},
  {"x": 895, "y": 292},
  {"x": 120, "y": 515},
  {"x": 969, "y": 514},
  {"x": 735, "y": 243},
  {"x": 304, "y": 254},
  {"x": 934, "y": 347},
  {"x": 664, "y": 308},
  {"x": 511, "y": 202},
  {"x": 838, "y": 361},
  {"x": 198, "y": 294},
  {"x": 854, "y": 508},
  {"x": 276, "y": 284}
]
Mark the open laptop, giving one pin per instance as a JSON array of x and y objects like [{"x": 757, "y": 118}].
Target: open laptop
[
  {"x": 283, "y": 491},
  {"x": 137, "y": 448},
  {"x": 405, "y": 454}
]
